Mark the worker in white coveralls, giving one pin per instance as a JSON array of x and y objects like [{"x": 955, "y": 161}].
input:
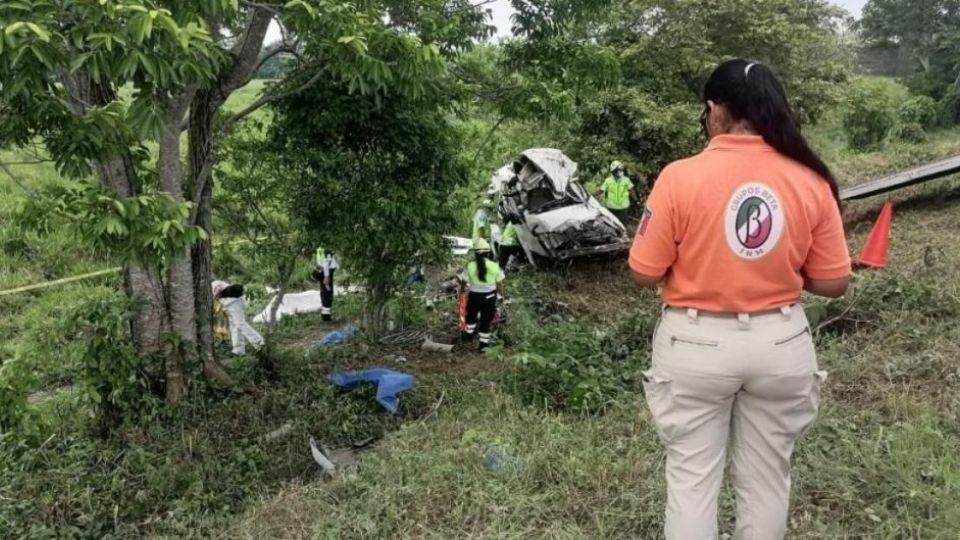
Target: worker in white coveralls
[
  {"x": 241, "y": 333},
  {"x": 326, "y": 266}
]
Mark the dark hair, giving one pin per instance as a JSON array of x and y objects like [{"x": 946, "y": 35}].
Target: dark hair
[
  {"x": 752, "y": 92},
  {"x": 481, "y": 265}
]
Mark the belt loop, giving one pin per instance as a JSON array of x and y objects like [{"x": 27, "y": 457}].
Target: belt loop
[
  {"x": 744, "y": 320},
  {"x": 693, "y": 315},
  {"x": 786, "y": 311}
]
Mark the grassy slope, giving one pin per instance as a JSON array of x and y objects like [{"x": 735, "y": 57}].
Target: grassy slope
[{"x": 881, "y": 462}]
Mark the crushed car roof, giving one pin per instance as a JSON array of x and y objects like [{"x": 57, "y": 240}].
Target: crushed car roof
[{"x": 555, "y": 164}]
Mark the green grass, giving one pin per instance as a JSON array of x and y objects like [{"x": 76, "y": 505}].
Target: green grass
[{"x": 881, "y": 462}]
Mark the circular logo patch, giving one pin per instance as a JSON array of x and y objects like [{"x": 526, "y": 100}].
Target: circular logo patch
[{"x": 753, "y": 221}]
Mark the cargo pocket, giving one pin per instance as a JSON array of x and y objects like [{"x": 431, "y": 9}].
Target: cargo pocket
[
  {"x": 657, "y": 392},
  {"x": 816, "y": 389},
  {"x": 819, "y": 378}
]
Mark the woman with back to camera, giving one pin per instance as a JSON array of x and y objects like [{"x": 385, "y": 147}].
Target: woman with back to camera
[{"x": 734, "y": 234}]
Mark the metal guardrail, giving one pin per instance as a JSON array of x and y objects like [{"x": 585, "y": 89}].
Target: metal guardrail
[{"x": 918, "y": 175}]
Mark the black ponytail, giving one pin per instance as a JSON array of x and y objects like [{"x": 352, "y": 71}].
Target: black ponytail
[
  {"x": 752, "y": 92},
  {"x": 481, "y": 265}
]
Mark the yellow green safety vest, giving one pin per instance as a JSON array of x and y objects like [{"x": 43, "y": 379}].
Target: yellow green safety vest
[
  {"x": 617, "y": 193},
  {"x": 478, "y": 224},
  {"x": 510, "y": 236},
  {"x": 319, "y": 256},
  {"x": 473, "y": 275}
]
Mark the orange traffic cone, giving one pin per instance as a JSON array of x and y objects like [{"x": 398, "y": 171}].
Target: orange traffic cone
[{"x": 874, "y": 252}]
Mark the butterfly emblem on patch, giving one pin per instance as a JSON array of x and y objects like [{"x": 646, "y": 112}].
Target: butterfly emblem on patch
[{"x": 644, "y": 222}]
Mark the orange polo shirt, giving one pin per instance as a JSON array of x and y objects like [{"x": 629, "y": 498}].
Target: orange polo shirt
[{"x": 735, "y": 228}]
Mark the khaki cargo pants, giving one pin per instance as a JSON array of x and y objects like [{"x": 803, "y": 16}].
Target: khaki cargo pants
[{"x": 749, "y": 383}]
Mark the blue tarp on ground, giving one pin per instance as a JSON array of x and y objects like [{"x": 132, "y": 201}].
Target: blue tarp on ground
[
  {"x": 337, "y": 337},
  {"x": 389, "y": 384}
]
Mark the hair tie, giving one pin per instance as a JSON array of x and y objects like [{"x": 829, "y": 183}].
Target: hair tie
[{"x": 746, "y": 71}]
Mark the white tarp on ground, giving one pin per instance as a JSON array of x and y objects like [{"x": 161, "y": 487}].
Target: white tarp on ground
[
  {"x": 303, "y": 302},
  {"x": 459, "y": 246},
  {"x": 309, "y": 301}
]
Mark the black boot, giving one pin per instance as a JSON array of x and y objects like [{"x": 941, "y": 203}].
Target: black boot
[
  {"x": 466, "y": 337},
  {"x": 327, "y": 318}
]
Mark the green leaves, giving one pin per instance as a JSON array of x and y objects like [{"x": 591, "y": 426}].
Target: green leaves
[
  {"x": 146, "y": 229},
  {"x": 301, "y": 5}
]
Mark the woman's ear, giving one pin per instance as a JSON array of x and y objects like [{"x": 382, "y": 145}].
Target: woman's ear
[{"x": 718, "y": 121}]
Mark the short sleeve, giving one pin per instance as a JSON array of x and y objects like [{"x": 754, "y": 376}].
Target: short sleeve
[
  {"x": 630, "y": 184},
  {"x": 501, "y": 276},
  {"x": 606, "y": 184},
  {"x": 829, "y": 257},
  {"x": 654, "y": 247}
]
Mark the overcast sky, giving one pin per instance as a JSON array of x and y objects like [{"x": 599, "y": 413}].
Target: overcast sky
[{"x": 502, "y": 11}]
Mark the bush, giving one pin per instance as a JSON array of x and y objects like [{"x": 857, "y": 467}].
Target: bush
[
  {"x": 115, "y": 380},
  {"x": 950, "y": 108},
  {"x": 564, "y": 364},
  {"x": 910, "y": 133},
  {"x": 637, "y": 129},
  {"x": 920, "y": 110},
  {"x": 871, "y": 114}
]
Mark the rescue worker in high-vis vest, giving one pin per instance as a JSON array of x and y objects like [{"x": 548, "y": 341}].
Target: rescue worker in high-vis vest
[
  {"x": 732, "y": 236},
  {"x": 325, "y": 267},
  {"x": 481, "y": 220},
  {"x": 483, "y": 280},
  {"x": 617, "y": 189},
  {"x": 509, "y": 243}
]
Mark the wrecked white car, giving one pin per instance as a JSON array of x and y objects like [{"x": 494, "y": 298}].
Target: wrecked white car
[{"x": 558, "y": 218}]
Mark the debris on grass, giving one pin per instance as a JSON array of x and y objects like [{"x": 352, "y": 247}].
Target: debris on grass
[
  {"x": 389, "y": 384},
  {"x": 431, "y": 346},
  {"x": 321, "y": 459},
  {"x": 408, "y": 338},
  {"x": 280, "y": 432},
  {"x": 337, "y": 337}
]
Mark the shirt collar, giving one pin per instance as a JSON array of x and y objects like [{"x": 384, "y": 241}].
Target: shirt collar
[{"x": 739, "y": 143}]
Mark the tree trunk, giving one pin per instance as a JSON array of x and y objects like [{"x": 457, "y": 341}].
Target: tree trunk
[
  {"x": 267, "y": 355},
  {"x": 142, "y": 285},
  {"x": 199, "y": 154},
  {"x": 180, "y": 293},
  {"x": 376, "y": 310}
]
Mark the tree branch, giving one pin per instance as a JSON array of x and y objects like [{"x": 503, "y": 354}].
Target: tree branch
[
  {"x": 486, "y": 140},
  {"x": 34, "y": 162},
  {"x": 246, "y": 52},
  {"x": 270, "y": 55},
  {"x": 270, "y": 98},
  {"x": 16, "y": 179},
  {"x": 266, "y": 7}
]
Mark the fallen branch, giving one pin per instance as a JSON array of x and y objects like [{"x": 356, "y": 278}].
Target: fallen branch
[
  {"x": 839, "y": 317},
  {"x": 433, "y": 409}
]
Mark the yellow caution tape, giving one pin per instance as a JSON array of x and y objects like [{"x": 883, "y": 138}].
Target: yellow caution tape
[
  {"x": 71, "y": 279},
  {"x": 63, "y": 281}
]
